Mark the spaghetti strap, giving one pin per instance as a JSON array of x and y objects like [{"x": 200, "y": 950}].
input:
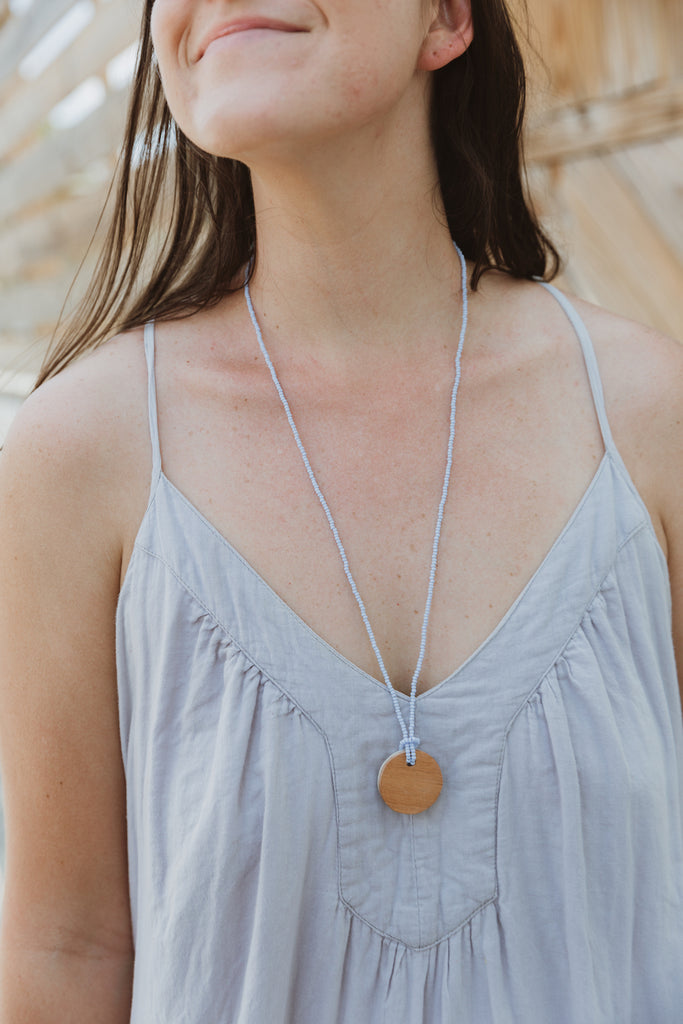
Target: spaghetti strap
[
  {"x": 152, "y": 404},
  {"x": 591, "y": 364}
]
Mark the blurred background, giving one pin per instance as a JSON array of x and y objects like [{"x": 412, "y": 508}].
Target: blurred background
[{"x": 604, "y": 145}]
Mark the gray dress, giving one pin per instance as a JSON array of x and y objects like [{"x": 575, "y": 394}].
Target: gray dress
[{"x": 270, "y": 884}]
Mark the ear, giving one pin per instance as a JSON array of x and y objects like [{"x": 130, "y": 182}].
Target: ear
[{"x": 448, "y": 36}]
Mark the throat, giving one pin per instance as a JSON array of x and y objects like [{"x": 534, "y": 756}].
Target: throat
[{"x": 330, "y": 517}]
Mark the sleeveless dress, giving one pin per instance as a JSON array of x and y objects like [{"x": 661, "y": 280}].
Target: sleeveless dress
[{"x": 269, "y": 883}]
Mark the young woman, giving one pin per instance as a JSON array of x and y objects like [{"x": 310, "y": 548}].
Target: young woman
[{"x": 337, "y": 677}]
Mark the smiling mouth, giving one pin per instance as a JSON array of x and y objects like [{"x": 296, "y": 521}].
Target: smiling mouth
[{"x": 247, "y": 25}]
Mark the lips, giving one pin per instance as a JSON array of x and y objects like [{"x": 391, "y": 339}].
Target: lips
[{"x": 244, "y": 25}]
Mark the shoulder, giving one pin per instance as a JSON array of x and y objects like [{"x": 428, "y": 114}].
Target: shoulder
[
  {"x": 75, "y": 410},
  {"x": 640, "y": 368},
  {"x": 641, "y": 371},
  {"x": 640, "y": 365},
  {"x": 642, "y": 376},
  {"x": 79, "y": 444}
]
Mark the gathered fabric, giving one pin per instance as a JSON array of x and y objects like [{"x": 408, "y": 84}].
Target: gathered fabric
[{"x": 270, "y": 883}]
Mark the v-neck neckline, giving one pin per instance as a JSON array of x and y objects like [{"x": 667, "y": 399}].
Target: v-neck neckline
[
  {"x": 471, "y": 659},
  {"x": 610, "y": 457}
]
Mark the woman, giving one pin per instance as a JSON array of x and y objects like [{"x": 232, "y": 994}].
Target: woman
[{"x": 195, "y": 706}]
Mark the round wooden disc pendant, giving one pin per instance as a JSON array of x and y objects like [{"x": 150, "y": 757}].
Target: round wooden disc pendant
[{"x": 409, "y": 788}]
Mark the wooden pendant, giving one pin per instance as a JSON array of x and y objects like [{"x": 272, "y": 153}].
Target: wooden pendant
[{"x": 409, "y": 788}]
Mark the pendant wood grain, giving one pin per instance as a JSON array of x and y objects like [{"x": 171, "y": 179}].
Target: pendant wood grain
[{"x": 406, "y": 788}]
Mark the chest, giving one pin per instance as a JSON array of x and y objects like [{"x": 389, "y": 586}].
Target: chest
[{"x": 526, "y": 447}]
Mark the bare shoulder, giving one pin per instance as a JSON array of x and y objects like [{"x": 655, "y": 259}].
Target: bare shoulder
[
  {"x": 84, "y": 413},
  {"x": 81, "y": 439},
  {"x": 638, "y": 363},
  {"x": 642, "y": 376}
]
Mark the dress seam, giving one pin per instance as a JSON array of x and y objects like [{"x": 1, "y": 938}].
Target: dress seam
[
  {"x": 278, "y": 686},
  {"x": 565, "y": 643},
  {"x": 544, "y": 675},
  {"x": 597, "y": 590},
  {"x": 407, "y": 945},
  {"x": 417, "y": 881},
  {"x": 234, "y": 642}
]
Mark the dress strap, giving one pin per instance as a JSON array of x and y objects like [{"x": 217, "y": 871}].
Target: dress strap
[
  {"x": 152, "y": 403},
  {"x": 590, "y": 361}
]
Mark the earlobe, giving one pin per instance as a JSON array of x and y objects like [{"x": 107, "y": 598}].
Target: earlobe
[{"x": 449, "y": 35}]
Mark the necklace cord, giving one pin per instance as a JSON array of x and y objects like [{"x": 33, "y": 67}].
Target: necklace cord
[{"x": 409, "y": 741}]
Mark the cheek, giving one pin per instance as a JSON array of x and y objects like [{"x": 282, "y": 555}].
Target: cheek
[
  {"x": 167, "y": 21},
  {"x": 170, "y": 26},
  {"x": 373, "y": 79},
  {"x": 383, "y": 48}
]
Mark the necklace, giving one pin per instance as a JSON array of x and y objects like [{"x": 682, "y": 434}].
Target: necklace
[{"x": 409, "y": 780}]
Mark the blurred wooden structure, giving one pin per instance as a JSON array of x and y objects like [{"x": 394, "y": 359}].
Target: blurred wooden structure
[
  {"x": 605, "y": 150},
  {"x": 54, "y": 166},
  {"x": 605, "y": 146}
]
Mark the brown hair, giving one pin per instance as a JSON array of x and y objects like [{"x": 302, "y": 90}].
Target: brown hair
[{"x": 206, "y": 202}]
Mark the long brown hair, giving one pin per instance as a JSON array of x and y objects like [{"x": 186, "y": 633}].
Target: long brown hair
[{"x": 183, "y": 221}]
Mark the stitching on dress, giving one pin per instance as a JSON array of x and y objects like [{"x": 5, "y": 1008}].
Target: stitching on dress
[
  {"x": 589, "y": 603},
  {"x": 417, "y": 881},
  {"x": 407, "y": 945},
  {"x": 537, "y": 685},
  {"x": 207, "y": 524},
  {"x": 267, "y": 677},
  {"x": 137, "y": 543}
]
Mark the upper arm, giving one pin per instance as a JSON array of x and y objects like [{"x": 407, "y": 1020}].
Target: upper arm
[{"x": 66, "y": 885}]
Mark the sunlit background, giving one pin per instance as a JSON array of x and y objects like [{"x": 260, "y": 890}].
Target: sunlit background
[{"x": 65, "y": 68}]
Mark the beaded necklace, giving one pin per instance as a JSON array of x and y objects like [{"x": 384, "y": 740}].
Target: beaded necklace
[{"x": 409, "y": 780}]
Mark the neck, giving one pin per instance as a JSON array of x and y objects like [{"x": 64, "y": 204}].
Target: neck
[{"x": 353, "y": 251}]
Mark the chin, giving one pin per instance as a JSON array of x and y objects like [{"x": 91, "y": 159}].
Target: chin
[
  {"x": 254, "y": 136},
  {"x": 230, "y": 122},
  {"x": 224, "y": 138}
]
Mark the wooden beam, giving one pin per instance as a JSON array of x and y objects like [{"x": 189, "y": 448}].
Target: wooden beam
[
  {"x": 58, "y": 232},
  {"x": 595, "y": 48},
  {"x": 655, "y": 174},
  {"x": 616, "y": 249},
  {"x": 49, "y": 166},
  {"x": 27, "y": 105},
  {"x": 21, "y": 356},
  {"x": 606, "y": 124},
  {"x": 9, "y": 406},
  {"x": 33, "y": 307},
  {"x": 22, "y": 33},
  {"x": 15, "y": 383}
]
